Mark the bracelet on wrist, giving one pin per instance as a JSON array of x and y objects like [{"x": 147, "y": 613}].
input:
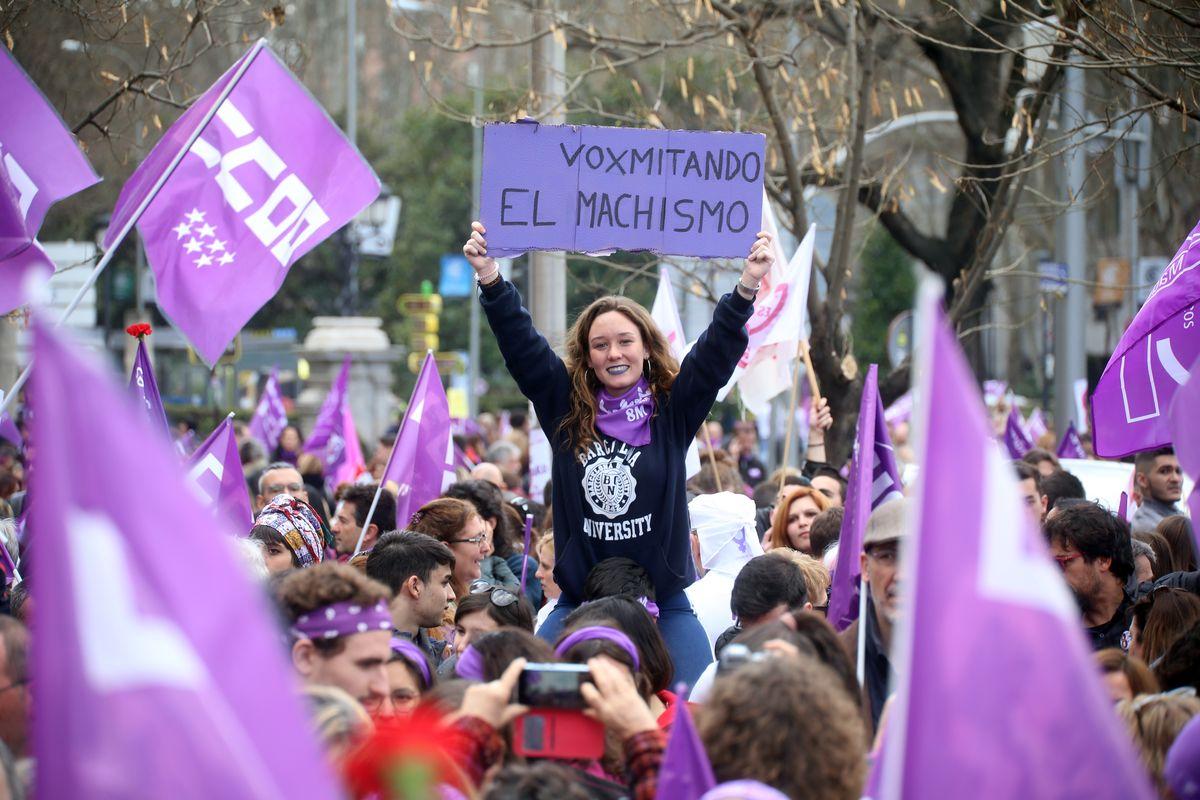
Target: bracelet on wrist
[
  {"x": 751, "y": 289},
  {"x": 489, "y": 279}
]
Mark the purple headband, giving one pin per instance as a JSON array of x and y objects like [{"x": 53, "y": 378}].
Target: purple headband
[
  {"x": 593, "y": 632},
  {"x": 470, "y": 665},
  {"x": 343, "y": 619},
  {"x": 413, "y": 655},
  {"x": 743, "y": 790}
]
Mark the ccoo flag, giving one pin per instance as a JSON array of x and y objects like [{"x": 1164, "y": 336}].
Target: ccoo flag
[
  {"x": 1152, "y": 359},
  {"x": 1016, "y": 439},
  {"x": 40, "y": 164},
  {"x": 1071, "y": 446},
  {"x": 215, "y": 477},
  {"x": 262, "y": 183},
  {"x": 997, "y": 696},
  {"x": 1186, "y": 438},
  {"x": 270, "y": 416},
  {"x": 422, "y": 461},
  {"x": 874, "y": 479},
  {"x": 144, "y": 388},
  {"x": 188, "y": 685}
]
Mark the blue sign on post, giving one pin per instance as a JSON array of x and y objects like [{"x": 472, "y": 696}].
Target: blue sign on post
[
  {"x": 1053, "y": 277},
  {"x": 456, "y": 277}
]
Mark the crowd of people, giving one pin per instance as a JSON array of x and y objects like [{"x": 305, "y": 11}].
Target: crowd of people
[{"x": 698, "y": 596}]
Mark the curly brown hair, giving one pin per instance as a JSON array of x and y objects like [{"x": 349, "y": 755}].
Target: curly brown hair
[
  {"x": 306, "y": 590},
  {"x": 805, "y": 737},
  {"x": 579, "y": 424}
]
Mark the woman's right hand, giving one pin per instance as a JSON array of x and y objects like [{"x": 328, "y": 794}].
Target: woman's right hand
[
  {"x": 476, "y": 251},
  {"x": 613, "y": 699}
]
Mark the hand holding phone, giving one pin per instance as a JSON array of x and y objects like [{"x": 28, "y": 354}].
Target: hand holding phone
[
  {"x": 613, "y": 699},
  {"x": 555, "y": 725}
]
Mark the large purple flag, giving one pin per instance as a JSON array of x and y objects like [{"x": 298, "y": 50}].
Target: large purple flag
[
  {"x": 270, "y": 417},
  {"x": 1130, "y": 403},
  {"x": 148, "y": 682},
  {"x": 20, "y": 254},
  {"x": 422, "y": 459},
  {"x": 216, "y": 478},
  {"x": 1016, "y": 439},
  {"x": 1071, "y": 446},
  {"x": 997, "y": 695},
  {"x": 874, "y": 479},
  {"x": 328, "y": 437},
  {"x": 40, "y": 164},
  {"x": 1185, "y": 435},
  {"x": 267, "y": 179},
  {"x": 144, "y": 388},
  {"x": 686, "y": 773}
]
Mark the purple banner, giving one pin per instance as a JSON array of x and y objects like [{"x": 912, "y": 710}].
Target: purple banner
[
  {"x": 997, "y": 695},
  {"x": 1016, "y": 440},
  {"x": 326, "y": 439},
  {"x": 1071, "y": 446},
  {"x": 422, "y": 461},
  {"x": 269, "y": 178},
  {"x": 1129, "y": 405},
  {"x": 270, "y": 416},
  {"x": 157, "y": 637},
  {"x": 874, "y": 479},
  {"x": 144, "y": 388},
  {"x": 591, "y": 189},
  {"x": 1186, "y": 437},
  {"x": 215, "y": 474}
]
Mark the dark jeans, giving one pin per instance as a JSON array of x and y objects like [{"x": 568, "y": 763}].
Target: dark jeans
[{"x": 683, "y": 633}]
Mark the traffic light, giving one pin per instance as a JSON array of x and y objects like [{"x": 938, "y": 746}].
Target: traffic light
[{"x": 421, "y": 321}]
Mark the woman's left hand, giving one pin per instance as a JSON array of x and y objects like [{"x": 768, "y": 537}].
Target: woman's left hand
[{"x": 762, "y": 256}]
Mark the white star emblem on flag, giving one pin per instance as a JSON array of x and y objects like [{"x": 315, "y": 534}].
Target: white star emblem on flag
[
  {"x": 216, "y": 246},
  {"x": 195, "y": 215},
  {"x": 206, "y": 230},
  {"x": 226, "y": 258},
  {"x": 181, "y": 230},
  {"x": 203, "y": 261},
  {"x": 192, "y": 246}
]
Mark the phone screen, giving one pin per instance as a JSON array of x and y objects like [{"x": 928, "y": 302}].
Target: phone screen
[{"x": 552, "y": 686}]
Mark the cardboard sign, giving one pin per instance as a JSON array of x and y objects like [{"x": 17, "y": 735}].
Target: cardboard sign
[{"x": 594, "y": 189}]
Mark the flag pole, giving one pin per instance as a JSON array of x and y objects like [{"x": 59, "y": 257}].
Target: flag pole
[
  {"x": 712, "y": 456},
  {"x": 862, "y": 631},
  {"x": 370, "y": 514},
  {"x": 141, "y": 209}
]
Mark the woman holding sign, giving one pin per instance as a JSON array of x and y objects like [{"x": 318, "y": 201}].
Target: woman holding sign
[{"x": 620, "y": 413}]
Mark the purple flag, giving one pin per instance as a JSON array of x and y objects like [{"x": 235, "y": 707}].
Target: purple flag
[
  {"x": 352, "y": 464},
  {"x": 997, "y": 695},
  {"x": 686, "y": 773},
  {"x": 1015, "y": 437},
  {"x": 421, "y": 464},
  {"x": 1070, "y": 446},
  {"x": 1185, "y": 435},
  {"x": 328, "y": 438},
  {"x": 994, "y": 391},
  {"x": 187, "y": 683},
  {"x": 1036, "y": 425},
  {"x": 873, "y": 481},
  {"x": 216, "y": 478},
  {"x": 9, "y": 431},
  {"x": 40, "y": 164},
  {"x": 270, "y": 417},
  {"x": 267, "y": 179},
  {"x": 144, "y": 388},
  {"x": 1130, "y": 403}
]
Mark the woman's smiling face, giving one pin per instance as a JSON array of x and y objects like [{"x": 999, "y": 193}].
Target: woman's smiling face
[{"x": 616, "y": 351}]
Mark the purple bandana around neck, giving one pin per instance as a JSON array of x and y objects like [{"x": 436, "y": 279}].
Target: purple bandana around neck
[
  {"x": 343, "y": 619},
  {"x": 626, "y": 418}
]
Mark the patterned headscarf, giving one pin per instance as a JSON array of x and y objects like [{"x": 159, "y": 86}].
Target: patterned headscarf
[{"x": 297, "y": 523}]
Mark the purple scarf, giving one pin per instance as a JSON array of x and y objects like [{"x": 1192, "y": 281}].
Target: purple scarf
[{"x": 626, "y": 418}]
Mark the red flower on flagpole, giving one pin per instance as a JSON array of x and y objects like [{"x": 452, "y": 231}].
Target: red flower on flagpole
[{"x": 139, "y": 329}]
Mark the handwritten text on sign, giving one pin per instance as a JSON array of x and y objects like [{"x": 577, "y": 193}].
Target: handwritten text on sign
[{"x": 589, "y": 189}]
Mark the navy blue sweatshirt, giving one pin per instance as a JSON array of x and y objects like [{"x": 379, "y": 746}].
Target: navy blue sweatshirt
[{"x": 616, "y": 499}]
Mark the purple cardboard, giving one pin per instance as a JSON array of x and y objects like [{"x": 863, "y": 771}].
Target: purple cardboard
[{"x": 588, "y": 188}]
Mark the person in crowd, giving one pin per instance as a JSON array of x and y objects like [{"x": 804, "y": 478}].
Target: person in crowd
[
  {"x": 14, "y": 695},
  {"x": 1160, "y": 617},
  {"x": 802, "y": 736},
  {"x": 1154, "y": 720},
  {"x": 726, "y": 537},
  {"x": 621, "y": 413},
  {"x": 537, "y": 780},
  {"x": 410, "y": 674},
  {"x": 498, "y": 545},
  {"x": 765, "y": 588},
  {"x": 830, "y": 483},
  {"x": 886, "y": 528},
  {"x": 1159, "y": 481},
  {"x": 1058, "y": 486},
  {"x": 456, "y": 524},
  {"x": 798, "y": 506},
  {"x": 487, "y": 608},
  {"x": 1028, "y": 479},
  {"x": 718, "y": 473},
  {"x": 291, "y": 443},
  {"x": 1125, "y": 676},
  {"x": 1164, "y": 559},
  {"x": 489, "y": 654},
  {"x": 545, "y": 576},
  {"x": 312, "y": 472},
  {"x": 1177, "y": 532},
  {"x": 350, "y": 517},
  {"x": 817, "y": 578},
  {"x": 618, "y": 577},
  {"x": 290, "y": 534},
  {"x": 825, "y": 530},
  {"x": 339, "y": 720},
  {"x": 340, "y": 629},
  {"x": 279, "y": 478},
  {"x": 505, "y": 455},
  {"x": 1144, "y": 560},
  {"x": 419, "y": 570},
  {"x": 253, "y": 455},
  {"x": 487, "y": 471},
  {"x": 1180, "y": 667},
  {"x": 1045, "y": 462},
  {"x": 745, "y": 447}
]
